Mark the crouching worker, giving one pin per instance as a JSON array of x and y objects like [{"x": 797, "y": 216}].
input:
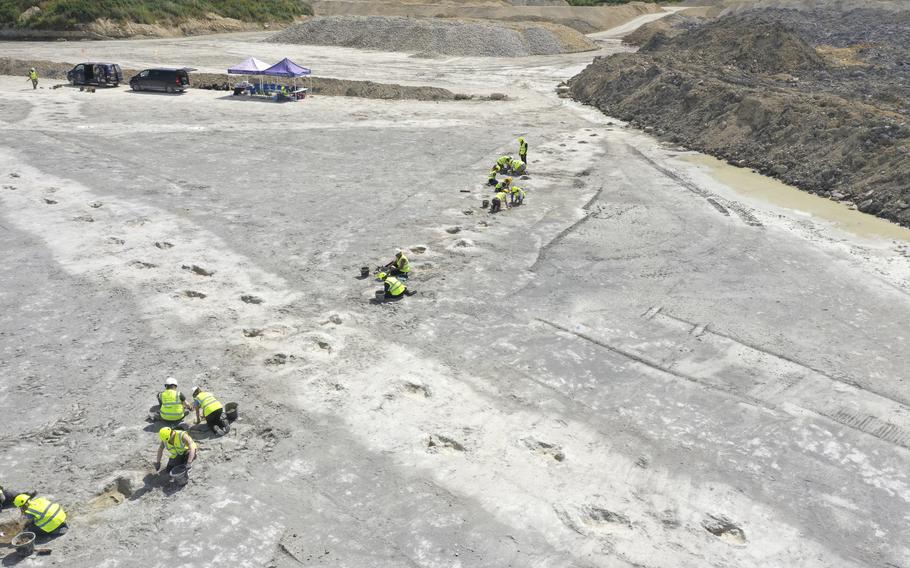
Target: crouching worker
[
  {"x": 180, "y": 447},
  {"x": 45, "y": 517},
  {"x": 519, "y": 167},
  {"x": 394, "y": 289},
  {"x": 208, "y": 407},
  {"x": 498, "y": 201},
  {"x": 173, "y": 403},
  {"x": 504, "y": 162},
  {"x": 401, "y": 266},
  {"x": 491, "y": 180},
  {"x": 518, "y": 196}
]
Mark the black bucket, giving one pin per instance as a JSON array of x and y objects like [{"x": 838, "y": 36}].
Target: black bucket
[
  {"x": 24, "y": 543},
  {"x": 485, "y": 204},
  {"x": 230, "y": 410},
  {"x": 180, "y": 475},
  {"x": 364, "y": 271}
]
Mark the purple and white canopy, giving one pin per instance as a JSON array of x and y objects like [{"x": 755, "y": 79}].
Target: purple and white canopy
[{"x": 251, "y": 66}]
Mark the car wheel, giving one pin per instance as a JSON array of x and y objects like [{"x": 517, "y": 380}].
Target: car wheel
[
  {"x": 169, "y": 89},
  {"x": 135, "y": 87}
]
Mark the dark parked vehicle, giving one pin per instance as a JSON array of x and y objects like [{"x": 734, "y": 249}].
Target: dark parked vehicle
[
  {"x": 101, "y": 74},
  {"x": 167, "y": 80}
]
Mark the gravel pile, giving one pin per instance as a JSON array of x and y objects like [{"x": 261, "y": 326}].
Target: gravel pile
[{"x": 432, "y": 36}]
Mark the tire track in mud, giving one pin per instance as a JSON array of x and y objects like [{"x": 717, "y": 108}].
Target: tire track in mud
[
  {"x": 522, "y": 495},
  {"x": 586, "y": 209},
  {"x": 720, "y": 204},
  {"x": 776, "y": 382}
]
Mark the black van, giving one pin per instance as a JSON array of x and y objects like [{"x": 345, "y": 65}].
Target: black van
[
  {"x": 167, "y": 80},
  {"x": 101, "y": 74}
]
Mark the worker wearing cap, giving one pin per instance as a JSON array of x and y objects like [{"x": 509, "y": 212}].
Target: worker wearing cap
[
  {"x": 180, "y": 447},
  {"x": 522, "y": 150},
  {"x": 44, "y": 515},
  {"x": 491, "y": 180},
  {"x": 33, "y": 77},
  {"x": 393, "y": 287},
  {"x": 401, "y": 266},
  {"x": 503, "y": 185},
  {"x": 517, "y": 196},
  {"x": 173, "y": 403},
  {"x": 518, "y": 167},
  {"x": 208, "y": 407}
]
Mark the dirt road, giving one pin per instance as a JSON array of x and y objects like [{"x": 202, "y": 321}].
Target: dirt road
[{"x": 639, "y": 367}]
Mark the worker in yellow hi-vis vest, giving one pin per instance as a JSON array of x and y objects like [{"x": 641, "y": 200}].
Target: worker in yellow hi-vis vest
[
  {"x": 210, "y": 408},
  {"x": 45, "y": 516}
]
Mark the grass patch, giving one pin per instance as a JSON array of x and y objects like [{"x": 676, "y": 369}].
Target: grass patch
[{"x": 69, "y": 14}]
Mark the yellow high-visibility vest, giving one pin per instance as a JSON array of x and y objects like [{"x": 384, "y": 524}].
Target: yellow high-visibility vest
[
  {"x": 47, "y": 515},
  {"x": 207, "y": 402},
  {"x": 171, "y": 405}
]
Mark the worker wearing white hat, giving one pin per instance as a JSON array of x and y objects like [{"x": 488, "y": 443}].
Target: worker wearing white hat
[{"x": 173, "y": 403}]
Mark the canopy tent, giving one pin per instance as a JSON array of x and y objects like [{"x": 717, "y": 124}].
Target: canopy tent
[
  {"x": 251, "y": 66},
  {"x": 286, "y": 68}
]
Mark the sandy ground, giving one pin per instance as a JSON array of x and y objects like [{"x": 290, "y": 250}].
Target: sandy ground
[{"x": 639, "y": 367}]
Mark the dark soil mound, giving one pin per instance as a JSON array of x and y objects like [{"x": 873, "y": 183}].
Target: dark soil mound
[
  {"x": 742, "y": 42},
  {"x": 754, "y": 91}
]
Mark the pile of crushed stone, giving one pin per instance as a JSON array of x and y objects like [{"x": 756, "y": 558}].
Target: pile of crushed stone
[{"x": 436, "y": 36}]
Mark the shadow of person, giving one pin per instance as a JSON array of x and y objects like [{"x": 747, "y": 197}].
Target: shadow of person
[
  {"x": 202, "y": 432},
  {"x": 42, "y": 537},
  {"x": 172, "y": 488},
  {"x": 12, "y": 559},
  {"x": 149, "y": 482},
  {"x": 158, "y": 425}
]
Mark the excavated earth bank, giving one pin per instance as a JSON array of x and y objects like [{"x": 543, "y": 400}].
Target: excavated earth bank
[{"x": 817, "y": 98}]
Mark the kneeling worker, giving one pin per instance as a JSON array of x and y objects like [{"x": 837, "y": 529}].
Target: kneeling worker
[
  {"x": 173, "y": 403},
  {"x": 45, "y": 515},
  {"x": 401, "y": 266},
  {"x": 207, "y": 406},
  {"x": 519, "y": 167},
  {"x": 504, "y": 162},
  {"x": 393, "y": 287},
  {"x": 492, "y": 179},
  {"x": 517, "y": 195},
  {"x": 498, "y": 201},
  {"x": 180, "y": 447}
]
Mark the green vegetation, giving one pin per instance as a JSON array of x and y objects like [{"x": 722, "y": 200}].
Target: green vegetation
[
  {"x": 612, "y": 2},
  {"x": 68, "y": 14}
]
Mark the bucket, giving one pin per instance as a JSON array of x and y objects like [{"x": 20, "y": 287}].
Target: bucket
[
  {"x": 230, "y": 410},
  {"x": 24, "y": 543},
  {"x": 485, "y": 204},
  {"x": 179, "y": 475},
  {"x": 364, "y": 271}
]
